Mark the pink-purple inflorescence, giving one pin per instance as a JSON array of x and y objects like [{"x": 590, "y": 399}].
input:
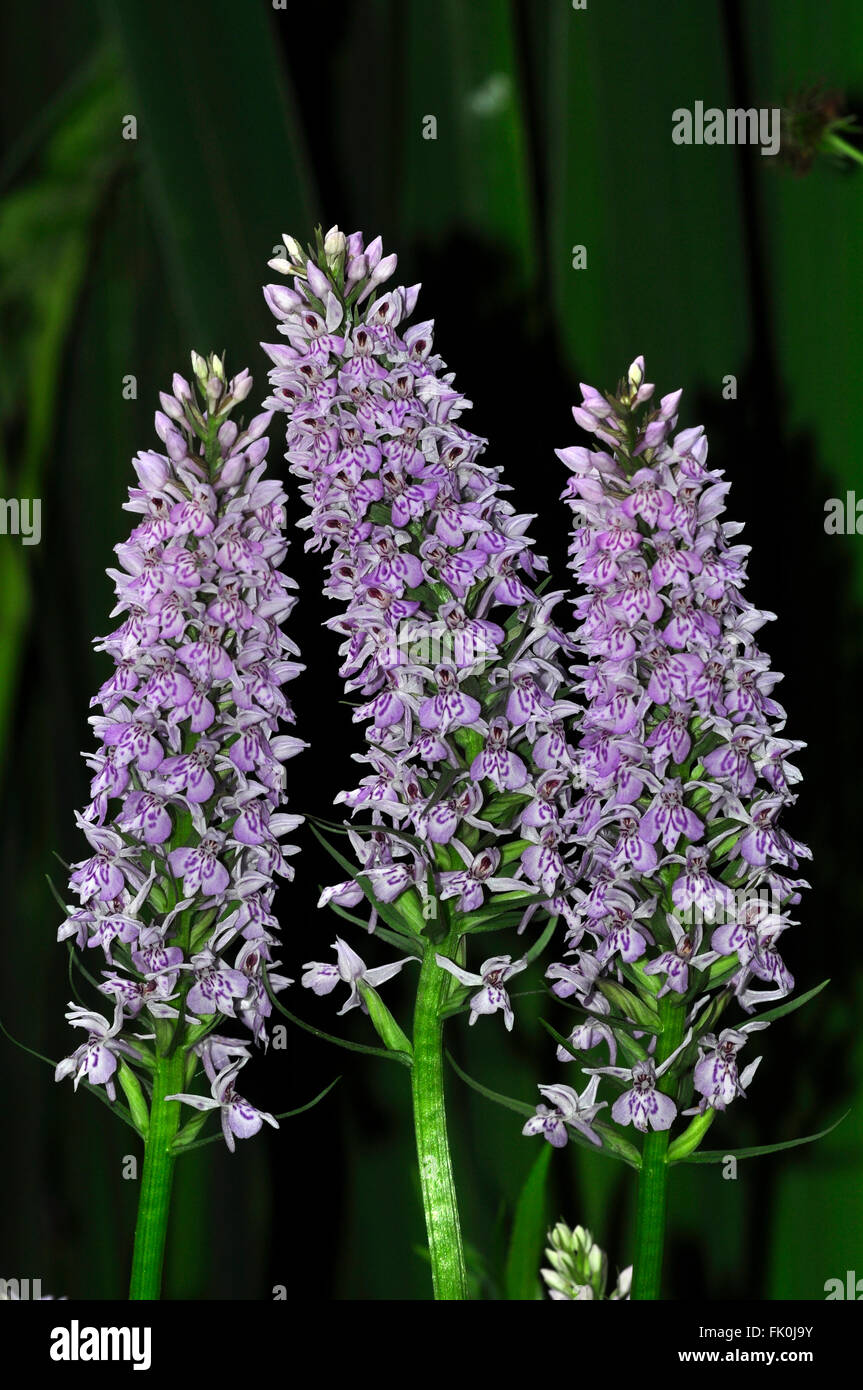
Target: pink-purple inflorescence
[
  {"x": 686, "y": 876},
  {"x": 449, "y": 647},
  {"x": 633, "y": 795},
  {"x": 185, "y": 821}
]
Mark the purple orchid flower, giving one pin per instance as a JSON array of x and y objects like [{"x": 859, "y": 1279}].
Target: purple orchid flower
[
  {"x": 567, "y": 1110},
  {"x": 716, "y": 1075},
  {"x": 321, "y": 978},
  {"x": 642, "y": 1105},
  {"x": 96, "y": 1060},
  {"x": 469, "y": 884},
  {"x": 240, "y": 1120},
  {"x": 675, "y": 965},
  {"x": 491, "y": 996}
]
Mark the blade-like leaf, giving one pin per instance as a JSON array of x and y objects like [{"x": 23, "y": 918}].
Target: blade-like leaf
[
  {"x": 541, "y": 942},
  {"x": 528, "y": 1232},
  {"x": 330, "y": 1037},
  {"x": 720, "y": 1155},
  {"x": 520, "y": 1107},
  {"x": 391, "y": 1034},
  {"x": 229, "y": 174},
  {"x": 782, "y": 1010},
  {"x": 687, "y": 1142},
  {"x": 613, "y": 1144},
  {"x": 400, "y": 940},
  {"x": 474, "y": 174},
  {"x": 389, "y": 914}
]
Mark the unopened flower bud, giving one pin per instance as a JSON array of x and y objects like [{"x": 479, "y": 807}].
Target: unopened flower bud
[
  {"x": 294, "y": 249},
  {"x": 334, "y": 244}
]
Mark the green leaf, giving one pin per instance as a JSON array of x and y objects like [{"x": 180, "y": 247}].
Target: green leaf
[
  {"x": 727, "y": 844},
  {"x": 138, "y": 1107},
  {"x": 512, "y": 850},
  {"x": 45, "y": 242},
  {"x": 474, "y": 922},
  {"x": 632, "y": 1049},
  {"x": 224, "y": 186},
  {"x": 613, "y": 1144},
  {"x": 528, "y": 1232},
  {"x": 602, "y": 310},
  {"x": 720, "y": 1155},
  {"x": 502, "y": 807},
  {"x": 402, "y": 1057},
  {"x": 782, "y": 1009},
  {"x": 470, "y": 743},
  {"x": 409, "y": 904},
  {"x": 541, "y": 942},
  {"x": 31, "y": 1052},
  {"x": 817, "y": 294},
  {"x": 520, "y": 1107},
  {"x": 185, "y": 1138},
  {"x": 56, "y": 896},
  {"x": 561, "y": 1040},
  {"x": 474, "y": 178},
  {"x": 383, "y": 1022},
  {"x": 687, "y": 1142},
  {"x": 400, "y": 940},
  {"x": 385, "y": 910},
  {"x": 75, "y": 959},
  {"x": 630, "y": 1005},
  {"x": 722, "y": 970}
]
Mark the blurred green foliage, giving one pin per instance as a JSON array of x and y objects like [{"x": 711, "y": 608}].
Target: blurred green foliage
[{"x": 551, "y": 131}]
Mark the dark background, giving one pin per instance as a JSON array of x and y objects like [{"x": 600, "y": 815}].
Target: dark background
[{"x": 117, "y": 256}]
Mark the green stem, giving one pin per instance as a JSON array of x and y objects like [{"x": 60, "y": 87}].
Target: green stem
[
  {"x": 154, "y": 1202},
  {"x": 433, "y": 1156},
  {"x": 653, "y": 1176}
]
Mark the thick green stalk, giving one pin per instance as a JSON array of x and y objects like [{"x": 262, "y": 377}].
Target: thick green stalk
[
  {"x": 154, "y": 1203},
  {"x": 653, "y": 1177},
  {"x": 433, "y": 1156}
]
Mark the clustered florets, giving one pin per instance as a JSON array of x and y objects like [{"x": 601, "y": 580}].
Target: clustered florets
[
  {"x": 685, "y": 869},
  {"x": 185, "y": 820},
  {"x": 578, "y": 1270},
  {"x": 450, "y": 648},
  {"x": 637, "y": 798}
]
